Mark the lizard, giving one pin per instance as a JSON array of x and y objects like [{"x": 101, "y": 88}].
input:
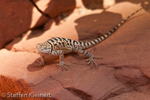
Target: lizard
[{"x": 59, "y": 46}]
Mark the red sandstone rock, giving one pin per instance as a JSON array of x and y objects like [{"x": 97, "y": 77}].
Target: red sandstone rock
[
  {"x": 50, "y": 24},
  {"x": 93, "y": 4},
  {"x": 131, "y": 77},
  {"x": 53, "y": 7},
  {"x": 18, "y": 16},
  {"x": 124, "y": 53},
  {"x": 12, "y": 89},
  {"x": 133, "y": 95},
  {"x": 14, "y": 19}
]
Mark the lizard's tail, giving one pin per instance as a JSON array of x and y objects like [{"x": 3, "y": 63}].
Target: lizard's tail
[{"x": 106, "y": 35}]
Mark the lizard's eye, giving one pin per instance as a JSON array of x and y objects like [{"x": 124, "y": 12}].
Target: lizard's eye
[
  {"x": 38, "y": 45},
  {"x": 46, "y": 48}
]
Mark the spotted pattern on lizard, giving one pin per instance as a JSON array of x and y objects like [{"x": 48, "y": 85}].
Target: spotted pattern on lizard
[{"x": 60, "y": 46}]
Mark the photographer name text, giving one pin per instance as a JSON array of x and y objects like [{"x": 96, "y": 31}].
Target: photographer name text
[{"x": 23, "y": 95}]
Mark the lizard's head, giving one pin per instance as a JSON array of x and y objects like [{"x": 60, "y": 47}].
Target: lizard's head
[{"x": 44, "y": 47}]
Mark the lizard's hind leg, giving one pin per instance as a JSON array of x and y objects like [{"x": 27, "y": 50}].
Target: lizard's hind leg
[{"x": 91, "y": 57}]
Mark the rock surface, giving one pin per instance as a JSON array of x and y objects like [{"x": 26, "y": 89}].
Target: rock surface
[
  {"x": 14, "y": 12},
  {"x": 27, "y": 16},
  {"x": 123, "y": 73}
]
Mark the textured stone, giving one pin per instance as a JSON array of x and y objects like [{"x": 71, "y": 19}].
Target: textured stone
[
  {"x": 18, "y": 16},
  {"x": 53, "y": 7},
  {"x": 14, "y": 19},
  {"x": 131, "y": 77},
  {"x": 108, "y": 3},
  {"x": 93, "y": 4},
  {"x": 134, "y": 95},
  {"x": 125, "y": 55},
  {"x": 17, "y": 89}
]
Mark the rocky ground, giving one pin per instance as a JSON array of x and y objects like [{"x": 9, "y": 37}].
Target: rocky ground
[{"x": 123, "y": 73}]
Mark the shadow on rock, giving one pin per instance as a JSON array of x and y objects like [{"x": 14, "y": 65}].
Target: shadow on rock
[{"x": 36, "y": 65}]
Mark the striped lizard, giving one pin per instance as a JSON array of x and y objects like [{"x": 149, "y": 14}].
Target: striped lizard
[{"x": 59, "y": 46}]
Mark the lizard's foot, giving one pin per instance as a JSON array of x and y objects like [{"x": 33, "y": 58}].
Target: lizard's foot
[
  {"x": 91, "y": 60},
  {"x": 62, "y": 65}
]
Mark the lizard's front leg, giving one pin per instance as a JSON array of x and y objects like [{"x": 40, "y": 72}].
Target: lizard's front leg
[
  {"x": 61, "y": 59},
  {"x": 91, "y": 57},
  {"x": 61, "y": 62}
]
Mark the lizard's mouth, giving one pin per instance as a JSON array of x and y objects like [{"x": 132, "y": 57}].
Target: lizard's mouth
[{"x": 37, "y": 50}]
